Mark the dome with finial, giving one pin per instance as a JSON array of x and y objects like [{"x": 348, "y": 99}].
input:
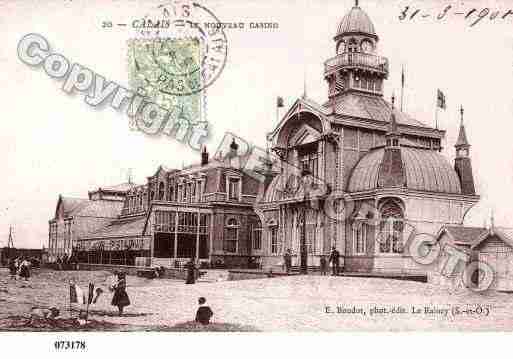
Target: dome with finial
[{"x": 356, "y": 21}]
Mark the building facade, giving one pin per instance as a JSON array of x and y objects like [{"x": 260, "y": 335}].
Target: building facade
[
  {"x": 378, "y": 171},
  {"x": 76, "y": 217},
  {"x": 354, "y": 173}
]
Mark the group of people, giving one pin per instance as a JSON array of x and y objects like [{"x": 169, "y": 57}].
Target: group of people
[
  {"x": 19, "y": 267},
  {"x": 334, "y": 259}
]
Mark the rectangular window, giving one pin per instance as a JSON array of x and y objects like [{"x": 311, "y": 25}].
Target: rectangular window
[
  {"x": 234, "y": 188},
  {"x": 390, "y": 236},
  {"x": 257, "y": 239},
  {"x": 192, "y": 192},
  {"x": 273, "y": 233},
  {"x": 230, "y": 240},
  {"x": 200, "y": 191},
  {"x": 359, "y": 238}
]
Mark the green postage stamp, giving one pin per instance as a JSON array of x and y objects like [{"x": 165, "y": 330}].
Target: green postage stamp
[{"x": 167, "y": 71}]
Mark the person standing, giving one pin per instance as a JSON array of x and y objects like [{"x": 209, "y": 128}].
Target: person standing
[
  {"x": 287, "y": 260},
  {"x": 120, "y": 298},
  {"x": 335, "y": 260},
  {"x": 324, "y": 265},
  {"x": 191, "y": 275},
  {"x": 12, "y": 268}
]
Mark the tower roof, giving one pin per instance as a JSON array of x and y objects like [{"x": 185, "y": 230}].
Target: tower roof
[
  {"x": 356, "y": 21},
  {"x": 462, "y": 136}
]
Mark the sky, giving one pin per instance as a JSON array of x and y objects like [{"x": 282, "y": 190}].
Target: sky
[{"x": 53, "y": 143}]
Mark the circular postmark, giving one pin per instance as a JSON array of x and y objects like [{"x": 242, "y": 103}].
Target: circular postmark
[{"x": 184, "y": 59}]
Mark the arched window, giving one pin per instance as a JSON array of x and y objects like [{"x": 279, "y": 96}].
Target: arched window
[
  {"x": 360, "y": 237},
  {"x": 256, "y": 235},
  {"x": 273, "y": 239},
  {"x": 341, "y": 47},
  {"x": 231, "y": 236},
  {"x": 391, "y": 228},
  {"x": 162, "y": 192},
  {"x": 352, "y": 46}
]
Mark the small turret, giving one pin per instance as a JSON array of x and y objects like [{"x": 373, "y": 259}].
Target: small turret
[{"x": 462, "y": 164}]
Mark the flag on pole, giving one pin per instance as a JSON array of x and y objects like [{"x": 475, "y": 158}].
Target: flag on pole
[
  {"x": 279, "y": 102},
  {"x": 402, "y": 77},
  {"x": 440, "y": 99}
]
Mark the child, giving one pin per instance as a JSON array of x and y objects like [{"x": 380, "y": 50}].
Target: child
[
  {"x": 204, "y": 312},
  {"x": 120, "y": 298}
]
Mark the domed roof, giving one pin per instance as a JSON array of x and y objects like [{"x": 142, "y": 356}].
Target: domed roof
[
  {"x": 356, "y": 21},
  {"x": 425, "y": 170}
]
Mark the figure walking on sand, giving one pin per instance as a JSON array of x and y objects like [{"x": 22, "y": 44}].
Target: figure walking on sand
[
  {"x": 191, "y": 275},
  {"x": 120, "y": 298},
  {"x": 24, "y": 269}
]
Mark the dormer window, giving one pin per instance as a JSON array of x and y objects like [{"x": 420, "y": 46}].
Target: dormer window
[{"x": 161, "y": 191}]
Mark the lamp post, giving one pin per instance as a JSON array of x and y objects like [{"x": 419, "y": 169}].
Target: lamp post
[{"x": 306, "y": 175}]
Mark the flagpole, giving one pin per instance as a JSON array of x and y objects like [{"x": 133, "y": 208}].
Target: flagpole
[
  {"x": 436, "y": 110},
  {"x": 402, "y": 88}
]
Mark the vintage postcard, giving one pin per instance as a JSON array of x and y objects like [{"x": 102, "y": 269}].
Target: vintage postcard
[{"x": 256, "y": 166}]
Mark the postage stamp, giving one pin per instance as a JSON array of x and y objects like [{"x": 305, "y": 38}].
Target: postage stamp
[{"x": 168, "y": 71}]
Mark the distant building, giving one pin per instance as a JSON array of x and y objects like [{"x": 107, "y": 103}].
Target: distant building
[
  {"x": 204, "y": 212},
  {"x": 75, "y": 217},
  {"x": 492, "y": 247}
]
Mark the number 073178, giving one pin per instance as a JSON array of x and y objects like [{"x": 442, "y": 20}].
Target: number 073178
[{"x": 70, "y": 345}]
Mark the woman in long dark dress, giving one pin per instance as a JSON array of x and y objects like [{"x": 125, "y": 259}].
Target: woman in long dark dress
[
  {"x": 191, "y": 278},
  {"x": 120, "y": 298}
]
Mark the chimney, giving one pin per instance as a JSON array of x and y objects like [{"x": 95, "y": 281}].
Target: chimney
[{"x": 204, "y": 156}]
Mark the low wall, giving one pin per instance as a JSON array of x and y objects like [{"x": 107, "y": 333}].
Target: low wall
[
  {"x": 169, "y": 273},
  {"x": 241, "y": 274}
]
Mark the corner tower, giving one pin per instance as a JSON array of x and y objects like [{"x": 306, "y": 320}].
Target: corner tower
[
  {"x": 462, "y": 163},
  {"x": 356, "y": 66}
]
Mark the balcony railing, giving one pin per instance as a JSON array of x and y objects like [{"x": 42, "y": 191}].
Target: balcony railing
[{"x": 356, "y": 59}]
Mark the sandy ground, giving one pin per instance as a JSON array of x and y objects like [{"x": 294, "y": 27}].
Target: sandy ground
[{"x": 296, "y": 303}]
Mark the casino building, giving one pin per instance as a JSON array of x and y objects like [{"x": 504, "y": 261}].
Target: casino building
[{"x": 360, "y": 176}]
